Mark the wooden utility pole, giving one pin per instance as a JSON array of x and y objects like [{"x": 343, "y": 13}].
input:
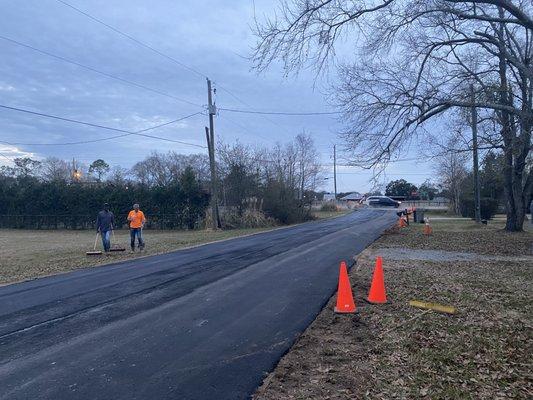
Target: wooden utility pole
[
  {"x": 335, "y": 170},
  {"x": 477, "y": 197},
  {"x": 210, "y": 133}
]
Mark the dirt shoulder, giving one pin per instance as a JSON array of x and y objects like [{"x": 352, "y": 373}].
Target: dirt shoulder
[{"x": 397, "y": 351}]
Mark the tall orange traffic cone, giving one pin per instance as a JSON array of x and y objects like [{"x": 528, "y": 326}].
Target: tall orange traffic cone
[
  {"x": 345, "y": 302},
  {"x": 402, "y": 223},
  {"x": 377, "y": 288}
]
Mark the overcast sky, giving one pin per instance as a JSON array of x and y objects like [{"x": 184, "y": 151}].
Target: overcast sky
[{"x": 212, "y": 37}]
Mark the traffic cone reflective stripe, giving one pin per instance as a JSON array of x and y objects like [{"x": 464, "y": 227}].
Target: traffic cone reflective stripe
[
  {"x": 377, "y": 288},
  {"x": 345, "y": 301}
]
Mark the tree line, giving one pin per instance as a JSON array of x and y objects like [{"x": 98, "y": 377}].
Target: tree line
[{"x": 257, "y": 186}]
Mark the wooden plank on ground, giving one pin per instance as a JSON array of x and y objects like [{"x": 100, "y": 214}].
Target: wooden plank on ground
[{"x": 432, "y": 306}]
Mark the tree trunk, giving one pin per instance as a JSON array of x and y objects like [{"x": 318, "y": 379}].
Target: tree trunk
[
  {"x": 515, "y": 202},
  {"x": 513, "y": 168}
]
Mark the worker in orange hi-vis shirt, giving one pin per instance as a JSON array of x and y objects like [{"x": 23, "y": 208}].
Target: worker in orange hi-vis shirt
[{"x": 137, "y": 220}]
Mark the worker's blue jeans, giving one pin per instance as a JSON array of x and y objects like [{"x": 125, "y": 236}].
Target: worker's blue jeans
[
  {"x": 136, "y": 232},
  {"x": 106, "y": 240}
]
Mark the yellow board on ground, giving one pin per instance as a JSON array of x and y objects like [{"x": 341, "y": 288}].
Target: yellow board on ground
[{"x": 432, "y": 306}]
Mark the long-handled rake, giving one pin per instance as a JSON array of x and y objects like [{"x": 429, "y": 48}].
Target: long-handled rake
[
  {"x": 94, "y": 252},
  {"x": 115, "y": 246}
]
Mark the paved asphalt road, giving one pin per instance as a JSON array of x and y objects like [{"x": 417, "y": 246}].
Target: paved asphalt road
[{"x": 202, "y": 323}]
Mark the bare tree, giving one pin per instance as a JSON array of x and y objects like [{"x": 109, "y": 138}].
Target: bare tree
[
  {"x": 55, "y": 169},
  {"x": 118, "y": 175},
  {"x": 416, "y": 61},
  {"x": 283, "y": 174},
  {"x": 308, "y": 163},
  {"x": 177, "y": 163},
  {"x": 161, "y": 169},
  {"x": 25, "y": 167},
  {"x": 451, "y": 169},
  {"x": 238, "y": 172}
]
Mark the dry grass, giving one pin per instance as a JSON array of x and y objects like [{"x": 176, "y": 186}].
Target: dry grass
[
  {"x": 397, "y": 351},
  {"x": 28, "y": 254},
  {"x": 467, "y": 236}
]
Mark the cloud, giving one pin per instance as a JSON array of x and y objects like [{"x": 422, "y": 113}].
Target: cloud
[
  {"x": 4, "y": 87},
  {"x": 205, "y": 35},
  {"x": 8, "y": 153}
]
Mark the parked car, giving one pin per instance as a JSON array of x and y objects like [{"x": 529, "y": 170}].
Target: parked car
[{"x": 381, "y": 201}]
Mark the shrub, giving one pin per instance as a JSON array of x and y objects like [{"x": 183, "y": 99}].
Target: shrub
[
  {"x": 330, "y": 206},
  {"x": 248, "y": 219},
  {"x": 489, "y": 207}
]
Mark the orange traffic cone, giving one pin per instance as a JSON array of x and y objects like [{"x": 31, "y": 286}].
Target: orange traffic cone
[
  {"x": 345, "y": 302},
  {"x": 377, "y": 288},
  {"x": 427, "y": 227},
  {"x": 402, "y": 223}
]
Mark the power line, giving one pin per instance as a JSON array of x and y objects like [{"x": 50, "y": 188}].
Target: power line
[
  {"x": 174, "y": 60},
  {"x": 74, "y": 121},
  {"x": 7, "y": 158},
  {"x": 248, "y": 105},
  {"x": 278, "y": 112},
  {"x": 137, "y": 41},
  {"x": 245, "y": 129},
  {"x": 126, "y": 81}
]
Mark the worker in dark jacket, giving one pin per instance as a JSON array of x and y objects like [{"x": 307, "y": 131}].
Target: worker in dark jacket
[{"x": 104, "y": 225}]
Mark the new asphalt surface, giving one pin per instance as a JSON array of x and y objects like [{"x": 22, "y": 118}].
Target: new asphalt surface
[{"x": 202, "y": 323}]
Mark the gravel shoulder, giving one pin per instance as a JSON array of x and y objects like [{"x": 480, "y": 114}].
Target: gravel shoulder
[{"x": 397, "y": 351}]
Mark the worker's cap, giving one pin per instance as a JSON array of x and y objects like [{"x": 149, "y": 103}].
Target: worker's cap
[{"x": 106, "y": 204}]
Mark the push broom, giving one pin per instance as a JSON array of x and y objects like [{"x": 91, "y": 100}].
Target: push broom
[
  {"x": 116, "y": 247},
  {"x": 94, "y": 252}
]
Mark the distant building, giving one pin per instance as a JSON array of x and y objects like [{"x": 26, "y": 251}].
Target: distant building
[{"x": 329, "y": 196}]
